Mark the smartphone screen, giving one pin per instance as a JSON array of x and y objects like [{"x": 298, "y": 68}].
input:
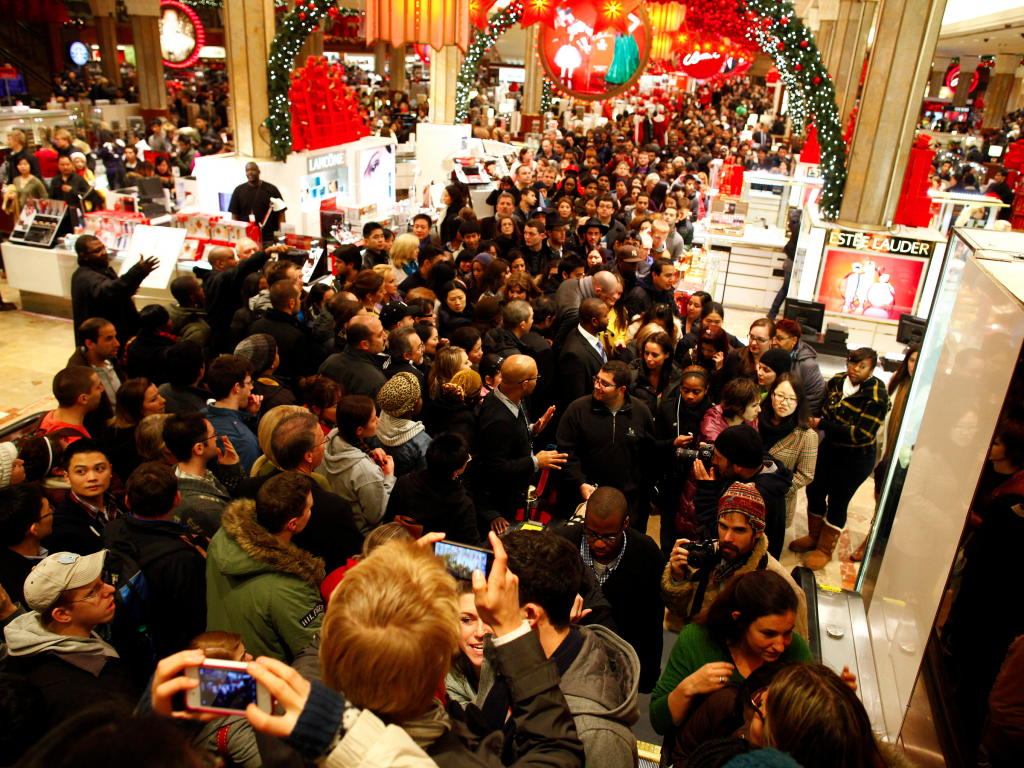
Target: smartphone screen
[
  {"x": 223, "y": 688},
  {"x": 461, "y": 560}
]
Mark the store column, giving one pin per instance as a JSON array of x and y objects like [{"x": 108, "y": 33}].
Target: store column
[
  {"x": 968, "y": 66},
  {"x": 106, "y": 36},
  {"x": 380, "y": 57},
  {"x": 940, "y": 65},
  {"x": 398, "y": 68},
  {"x": 1000, "y": 86},
  {"x": 248, "y": 33},
  {"x": 847, "y": 49},
  {"x": 828, "y": 15},
  {"x": 149, "y": 63},
  {"x": 533, "y": 89},
  {"x": 444, "y": 75},
  {"x": 890, "y": 103}
]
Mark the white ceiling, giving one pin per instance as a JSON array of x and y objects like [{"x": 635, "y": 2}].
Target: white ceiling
[{"x": 965, "y": 33}]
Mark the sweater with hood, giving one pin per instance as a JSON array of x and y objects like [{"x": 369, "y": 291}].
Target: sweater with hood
[
  {"x": 71, "y": 672},
  {"x": 267, "y": 591},
  {"x": 358, "y": 480},
  {"x": 403, "y": 440},
  {"x": 601, "y": 687},
  {"x": 645, "y": 295},
  {"x": 805, "y": 363}
]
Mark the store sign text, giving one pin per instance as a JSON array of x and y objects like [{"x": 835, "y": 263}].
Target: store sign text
[
  {"x": 696, "y": 57},
  {"x": 865, "y": 241},
  {"x": 323, "y": 162}
]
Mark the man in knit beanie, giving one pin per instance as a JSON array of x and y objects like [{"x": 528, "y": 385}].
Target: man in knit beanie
[
  {"x": 261, "y": 351},
  {"x": 402, "y": 438},
  {"x": 742, "y": 547}
]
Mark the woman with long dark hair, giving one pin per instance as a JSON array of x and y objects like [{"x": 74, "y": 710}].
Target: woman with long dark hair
[
  {"x": 743, "y": 361},
  {"x": 709, "y": 352},
  {"x": 463, "y": 678},
  {"x": 509, "y": 237},
  {"x": 786, "y": 433},
  {"x": 455, "y": 310},
  {"x": 750, "y": 623},
  {"x": 453, "y": 198},
  {"x": 855, "y": 407},
  {"x": 694, "y": 305},
  {"x": 361, "y": 476},
  {"x": 136, "y": 399},
  {"x": 494, "y": 277},
  {"x": 654, "y": 373}
]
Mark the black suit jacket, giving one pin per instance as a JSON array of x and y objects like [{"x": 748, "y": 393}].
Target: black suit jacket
[
  {"x": 634, "y": 591},
  {"x": 578, "y": 363},
  {"x": 504, "y": 462}
]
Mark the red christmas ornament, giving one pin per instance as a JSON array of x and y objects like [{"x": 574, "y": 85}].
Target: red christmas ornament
[
  {"x": 798, "y": 67},
  {"x": 302, "y": 17},
  {"x": 332, "y": 12},
  {"x": 817, "y": 80},
  {"x": 784, "y": 20},
  {"x": 781, "y": 46},
  {"x": 803, "y": 43}
]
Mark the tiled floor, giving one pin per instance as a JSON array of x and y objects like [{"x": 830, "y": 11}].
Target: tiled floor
[{"x": 34, "y": 347}]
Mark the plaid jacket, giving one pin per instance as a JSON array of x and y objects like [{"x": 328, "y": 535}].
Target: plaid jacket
[{"x": 853, "y": 423}]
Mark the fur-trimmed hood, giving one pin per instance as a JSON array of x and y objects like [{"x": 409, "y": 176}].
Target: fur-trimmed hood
[{"x": 247, "y": 548}]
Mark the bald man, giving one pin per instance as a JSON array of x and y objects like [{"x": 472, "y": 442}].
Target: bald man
[
  {"x": 571, "y": 293},
  {"x": 505, "y": 462},
  {"x": 359, "y": 368},
  {"x": 223, "y": 289}
]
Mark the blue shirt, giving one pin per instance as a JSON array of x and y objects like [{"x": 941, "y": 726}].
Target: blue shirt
[{"x": 240, "y": 428}]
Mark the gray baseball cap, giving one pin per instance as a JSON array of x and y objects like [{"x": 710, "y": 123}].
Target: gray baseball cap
[{"x": 58, "y": 573}]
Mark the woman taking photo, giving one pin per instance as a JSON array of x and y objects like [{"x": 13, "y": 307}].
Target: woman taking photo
[
  {"x": 362, "y": 477},
  {"x": 741, "y": 403},
  {"x": 749, "y": 624},
  {"x": 136, "y": 399},
  {"x": 786, "y": 433},
  {"x": 855, "y": 407}
]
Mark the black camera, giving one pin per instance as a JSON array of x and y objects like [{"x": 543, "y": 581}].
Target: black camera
[
  {"x": 700, "y": 550},
  {"x": 703, "y": 453}
]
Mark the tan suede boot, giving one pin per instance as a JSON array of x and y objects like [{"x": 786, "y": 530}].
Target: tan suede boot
[
  {"x": 810, "y": 541},
  {"x": 822, "y": 556},
  {"x": 858, "y": 553}
]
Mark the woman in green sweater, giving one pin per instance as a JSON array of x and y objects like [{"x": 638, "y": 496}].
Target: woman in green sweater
[{"x": 749, "y": 624}]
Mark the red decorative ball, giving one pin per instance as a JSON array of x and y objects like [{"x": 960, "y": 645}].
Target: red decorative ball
[
  {"x": 316, "y": 28},
  {"x": 781, "y": 46},
  {"x": 784, "y": 20},
  {"x": 798, "y": 67},
  {"x": 817, "y": 80},
  {"x": 333, "y": 12},
  {"x": 803, "y": 43},
  {"x": 302, "y": 17}
]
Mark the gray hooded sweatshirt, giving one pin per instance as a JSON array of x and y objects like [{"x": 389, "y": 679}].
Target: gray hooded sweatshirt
[
  {"x": 358, "y": 480},
  {"x": 26, "y": 636},
  {"x": 601, "y": 688}
]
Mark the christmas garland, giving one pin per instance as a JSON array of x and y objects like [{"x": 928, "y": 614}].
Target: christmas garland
[
  {"x": 484, "y": 39},
  {"x": 292, "y": 32}
]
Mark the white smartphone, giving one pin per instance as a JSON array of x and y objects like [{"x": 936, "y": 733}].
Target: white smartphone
[{"x": 225, "y": 687}]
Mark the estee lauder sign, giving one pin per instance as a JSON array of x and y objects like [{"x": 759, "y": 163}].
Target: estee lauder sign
[{"x": 880, "y": 243}]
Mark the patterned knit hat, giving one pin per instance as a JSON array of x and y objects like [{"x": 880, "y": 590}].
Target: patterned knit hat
[
  {"x": 745, "y": 499},
  {"x": 466, "y": 384},
  {"x": 399, "y": 395},
  {"x": 259, "y": 350},
  {"x": 8, "y": 453}
]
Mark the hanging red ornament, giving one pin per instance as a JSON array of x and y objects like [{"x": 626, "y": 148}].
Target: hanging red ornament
[
  {"x": 542, "y": 11},
  {"x": 784, "y": 20},
  {"x": 316, "y": 28},
  {"x": 798, "y": 67},
  {"x": 302, "y": 17},
  {"x": 781, "y": 46},
  {"x": 817, "y": 80},
  {"x": 332, "y": 12},
  {"x": 803, "y": 43}
]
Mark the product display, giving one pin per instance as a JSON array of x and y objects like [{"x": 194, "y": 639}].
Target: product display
[{"x": 325, "y": 111}]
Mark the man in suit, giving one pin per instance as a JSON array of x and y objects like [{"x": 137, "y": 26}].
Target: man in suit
[
  {"x": 761, "y": 138},
  {"x": 583, "y": 353},
  {"x": 505, "y": 461},
  {"x": 628, "y": 565}
]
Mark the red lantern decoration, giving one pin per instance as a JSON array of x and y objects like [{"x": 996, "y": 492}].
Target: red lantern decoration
[
  {"x": 538, "y": 12},
  {"x": 478, "y": 10},
  {"x": 435, "y": 22},
  {"x": 702, "y": 59},
  {"x": 614, "y": 14}
]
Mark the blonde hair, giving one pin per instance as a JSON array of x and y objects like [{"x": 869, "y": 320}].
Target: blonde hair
[
  {"x": 382, "y": 534},
  {"x": 269, "y": 423},
  {"x": 390, "y": 631},
  {"x": 149, "y": 438},
  {"x": 384, "y": 270},
  {"x": 447, "y": 362},
  {"x": 405, "y": 250},
  {"x": 641, "y": 336}
]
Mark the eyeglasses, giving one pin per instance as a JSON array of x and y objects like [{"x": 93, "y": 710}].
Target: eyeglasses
[
  {"x": 758, "y": 339},
  {"x": 95, "y": 592},
  {"x": 609, "y": 539},
  {"x": 781, "y": 338},
  {"x": 214, "y": 436},
  {"x": 603, "y": 385},
  {"x": 756, "y": 699},
  {"x": 783, "y": 399},
  {"x": 532, "y": 378}
]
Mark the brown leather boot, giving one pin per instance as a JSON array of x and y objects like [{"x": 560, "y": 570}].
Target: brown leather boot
[
  {"x": 858, "y": 553},
  {"x": 810, "y": 541},
  {"x": 822, "y": 556}
]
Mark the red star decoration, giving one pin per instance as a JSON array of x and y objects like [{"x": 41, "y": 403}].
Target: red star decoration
[
  {"x": 478, "y": 10},
  {"x": 614, "y": 14},
  {"x": 538, "y": 11}
]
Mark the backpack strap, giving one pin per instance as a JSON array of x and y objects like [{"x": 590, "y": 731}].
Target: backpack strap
[{"x": 222, "y": 743}]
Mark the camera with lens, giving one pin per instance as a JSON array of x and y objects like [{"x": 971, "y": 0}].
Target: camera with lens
[
  {"x": 699, "y": 551},
  {"x": 703, "y": 453}
]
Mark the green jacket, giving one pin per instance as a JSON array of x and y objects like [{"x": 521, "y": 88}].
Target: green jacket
[{"x": 264, "y": 590}]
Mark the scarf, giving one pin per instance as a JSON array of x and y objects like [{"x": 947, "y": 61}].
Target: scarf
[
  {"x": 428, "y": 728},
  {"x": 394, "y": 430},
  {"x": 771, "y": 433},
  {"x": 849, "y": 390}
]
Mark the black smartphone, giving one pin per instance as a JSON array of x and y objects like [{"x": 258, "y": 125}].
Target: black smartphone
[{"x": 462, "y": 559}]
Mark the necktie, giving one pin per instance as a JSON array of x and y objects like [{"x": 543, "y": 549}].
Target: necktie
[{"x": 600, "y": 351}]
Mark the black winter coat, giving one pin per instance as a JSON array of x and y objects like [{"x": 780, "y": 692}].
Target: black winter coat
[
  {"x": 358, "y": 372},
  {"x": 146, "y": 356},
  {"x": 578, "y": 363},
  {"x": 445, "y": 414},
  {"x": 101, "y": 293},
  {"x": 294, "y": 344},
  {"x": 74, "y": 530},
  {"x": 224, "y": 296},
  {"x": 634, "y": 591},
  {"x": 173, "y": 561},
  {"x": 503, "y": 466},
  {"x": 438, "y": 505}
]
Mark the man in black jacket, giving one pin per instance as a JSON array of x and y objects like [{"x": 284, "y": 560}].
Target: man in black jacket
[
  {"x": 170, "y": 556},
  {"x": 505, "y": 461},
  {"x": 656, "y": 288},
  {"x": 434, "y": 496},
  {"x": 406, "y": 350},
  {"x": 628, "y": 566},
  {"x": 79, "y": 520},
  {"x": 583, "y": 353},
  {"x": 359, "y": 368},
  {"x": 505, "y": 340},
  {"x": 740, "y": 457},
  {"x": 25, "y": 520},
  {"x": 331, "y": 533},
  {"x": 294, "y": 340},
  {"x": 1002, "y": 190},
  {"x": 223, "y": 289},
  {"x": 97, "y": 291},
  {"x": 609, "y": 439}
]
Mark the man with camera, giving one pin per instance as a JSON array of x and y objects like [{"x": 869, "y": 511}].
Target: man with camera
[
  {"x": 698, "y": 571},
  {"x": 739, "y": 457}
]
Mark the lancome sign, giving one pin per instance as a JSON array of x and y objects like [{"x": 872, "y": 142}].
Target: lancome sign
[{"x": 325, "y": 161}]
